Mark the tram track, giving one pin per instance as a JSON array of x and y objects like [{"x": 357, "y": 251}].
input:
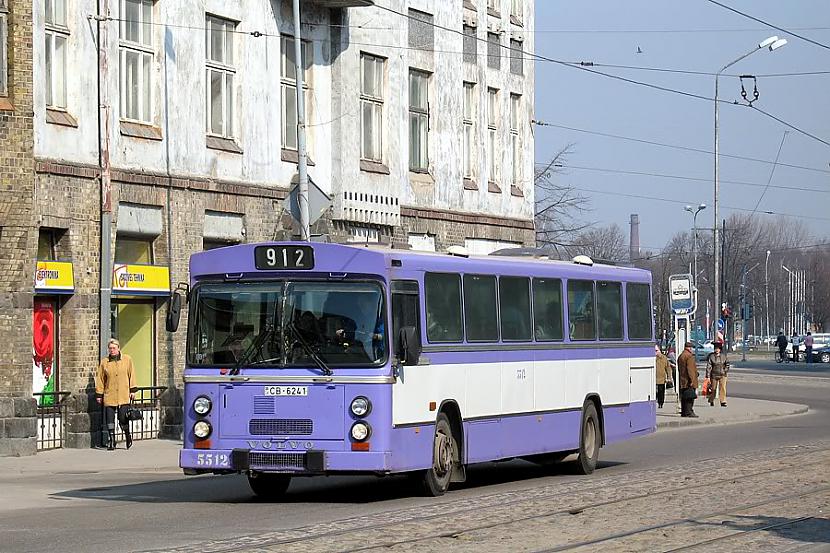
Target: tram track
[{"x": 399, "y": 520}]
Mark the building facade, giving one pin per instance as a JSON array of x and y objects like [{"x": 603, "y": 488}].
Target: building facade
[{"x": 171, "y": 128}]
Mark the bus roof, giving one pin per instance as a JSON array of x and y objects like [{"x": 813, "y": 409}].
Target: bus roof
[{"x": 360, "y": 259}]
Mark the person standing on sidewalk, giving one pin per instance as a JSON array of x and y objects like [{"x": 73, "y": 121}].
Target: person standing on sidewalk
[
  {"x": 115, "y": 388},
  {"x": 663, "y": 375},
  {"x": 717, "y": 365},
  {"x": 808, "y": 347},
  {"x": 795, "y": 348},
  {"x": 687, "y": 376},
  {"x": 781, "y": 342}
]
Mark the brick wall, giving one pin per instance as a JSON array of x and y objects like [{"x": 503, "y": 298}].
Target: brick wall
[{"x": 17, "y": 240}]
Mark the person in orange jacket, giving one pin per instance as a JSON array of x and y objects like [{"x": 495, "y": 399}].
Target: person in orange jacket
[{"x": 115, "y": 388}]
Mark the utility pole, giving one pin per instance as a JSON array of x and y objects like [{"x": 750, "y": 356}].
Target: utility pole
[{"x": 302, "y": 164}]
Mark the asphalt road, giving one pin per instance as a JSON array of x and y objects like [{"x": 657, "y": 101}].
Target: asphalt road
[{"x": 120, "y": 512}]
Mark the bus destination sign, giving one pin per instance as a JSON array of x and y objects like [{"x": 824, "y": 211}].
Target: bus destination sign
[{"x": 291, "y": 257}]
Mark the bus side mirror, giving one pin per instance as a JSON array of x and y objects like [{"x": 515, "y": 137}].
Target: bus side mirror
[
  {"x": 174, "y": 311},
  {"x": 409, "y": 345}
]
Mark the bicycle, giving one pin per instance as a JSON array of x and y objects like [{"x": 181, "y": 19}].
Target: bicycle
[{"x": 781, "y": 356}]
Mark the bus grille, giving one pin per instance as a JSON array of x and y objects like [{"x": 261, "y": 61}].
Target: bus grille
[
  {"x": 263, "y": 405},
  {"x": 277, "y": 460},
  {"x": 281, "y": 427}
]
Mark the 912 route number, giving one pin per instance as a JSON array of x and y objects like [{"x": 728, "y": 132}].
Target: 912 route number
[
  {"x": 269, "y": 258},
  {"x": 213, "y": 460}
]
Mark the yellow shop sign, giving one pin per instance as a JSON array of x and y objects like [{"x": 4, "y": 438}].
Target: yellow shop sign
[
  {"x": 148, "y": 280},
  {"x": 55, "y": 277}
]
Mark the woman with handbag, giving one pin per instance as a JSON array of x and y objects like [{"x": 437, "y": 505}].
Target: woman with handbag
[
  {"x": 663, "y": 375},
  {"x": 115, "y": 388},
  {"x": 687, "y": 373}
]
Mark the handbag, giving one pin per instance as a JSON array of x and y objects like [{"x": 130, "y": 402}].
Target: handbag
[
  {"x": 707, "y": 387},
  {"x": 688, "y": 394},
  {"x": 669, "y": 384},
  {"x": 134, "y": 413}
]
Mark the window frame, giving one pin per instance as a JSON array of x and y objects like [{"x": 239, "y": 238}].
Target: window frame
[
  {"x": 517, "y": 57},
  {"x": 145, "y": 50},
  {"x": 517, "y": 10},
  {"x": 494, "y": 45},
  {"x": 528, "y": 320},
  {"x": 422, "y": 116},
  {"x": 597, "y": 287},
  {"x": 515, "y": 138},
  {"x": 492, "y": 133},
  {"x": 54, "y": 31},
  {"x": 4, "y": 48},
  {"x": 468, "y": 135},
  {"x": 375, "y": 102},
  {"x": 650, "y": 311},
  {"x": 288, "y": 87},
  {"x": 593, "y": 309},
  {"x": 533, "y": 288},
  {"x": 227, "y": 72},
  {"x": 497, "y": 318},
  {"x": 430, "y": 339}
]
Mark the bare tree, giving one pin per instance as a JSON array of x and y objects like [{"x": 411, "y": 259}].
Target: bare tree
[
  {"x": 601, "y": 243},
  {"x": 557, "y": 204}
]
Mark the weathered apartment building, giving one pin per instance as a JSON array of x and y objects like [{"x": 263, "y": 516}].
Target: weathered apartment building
[{"x": 176, "y": 120}]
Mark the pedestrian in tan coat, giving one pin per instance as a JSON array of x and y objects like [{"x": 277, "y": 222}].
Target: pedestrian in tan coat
[
  {"x": 687, "y": 375},
  {"x": 663, "y": 375},
  {"x": 115, "y": 388}
]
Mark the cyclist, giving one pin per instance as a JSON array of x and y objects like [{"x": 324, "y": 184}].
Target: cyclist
[{"x": 781, "y": 342}]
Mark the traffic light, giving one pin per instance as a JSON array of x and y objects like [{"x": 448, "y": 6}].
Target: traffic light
[
  {"x": 725, "y": 311},
  {"x": 748, "y": 311}
]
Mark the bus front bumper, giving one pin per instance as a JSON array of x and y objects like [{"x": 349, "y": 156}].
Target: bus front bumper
[{"x": 199, "y": 461}]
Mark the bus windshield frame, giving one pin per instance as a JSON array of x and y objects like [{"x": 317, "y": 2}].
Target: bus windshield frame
[{"x": 343, "y": 323}]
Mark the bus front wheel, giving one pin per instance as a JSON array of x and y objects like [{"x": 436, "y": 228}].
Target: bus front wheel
[
  {"x": 269, "y": 486},
  {"x": 436, "y": 480},
  {"x": 589, "y": 439}
]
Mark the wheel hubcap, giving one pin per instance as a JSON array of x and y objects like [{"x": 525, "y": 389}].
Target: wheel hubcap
[
  {"x": 590, "y": 438},
  {"x": 443, "y": 454}
]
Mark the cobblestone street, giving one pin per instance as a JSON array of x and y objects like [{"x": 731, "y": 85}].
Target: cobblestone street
[{"x": 766, "y": 500}]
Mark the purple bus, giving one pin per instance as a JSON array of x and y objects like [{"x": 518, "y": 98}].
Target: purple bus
[{"x": 309, "y": 358}]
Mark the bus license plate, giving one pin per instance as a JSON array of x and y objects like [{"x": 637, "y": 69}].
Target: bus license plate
[{"x": 286, "y": 390}]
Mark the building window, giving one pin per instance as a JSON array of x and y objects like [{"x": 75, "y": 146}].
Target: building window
[
  {"x": 421, "y": 30},
  {"x": 515, "y": 105},
  {"x": 493, "y": 7},
  {"x": 57, "y": 34},
  {"x": 220, "y": 74},
  {"x": 492, "y": 131},
  {"x": 493, "y": 51},
  {"x": 470, "y": 44},
  {"x": 135, "y": 55},
  {"x": 516, "y": 11},
  {"x": 289, "y": 88},
  {"x": 371, "y": 107},
  {"x": 516, "y": 57},
  {"x": 418, "y": 121},
  {"x": 4, "y": 53},
  {"x": 468, "y": 123}
]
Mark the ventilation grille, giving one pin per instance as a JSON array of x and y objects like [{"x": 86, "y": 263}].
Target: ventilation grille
[
  {"x": 263, "y": 405},
  {"x": 280, "y": 427},
  {"x": 277, "y": 460}
]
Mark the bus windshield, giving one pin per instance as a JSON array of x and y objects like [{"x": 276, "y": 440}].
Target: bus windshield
[{"x": 339, "y": 323}]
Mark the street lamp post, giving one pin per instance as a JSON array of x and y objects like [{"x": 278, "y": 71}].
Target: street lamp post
[
  {"x": 772, "y": 43},
  {"x": 694, "y": 211},
  {"x": 790, "y": 311},
  {"x": 766, "y": 294}
]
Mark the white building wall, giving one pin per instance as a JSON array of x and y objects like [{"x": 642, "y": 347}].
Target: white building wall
[{"x": 179, "y": 101}]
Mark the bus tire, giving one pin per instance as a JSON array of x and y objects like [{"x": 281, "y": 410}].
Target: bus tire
[
  {"x": 436, "y": 480},
  {"x": 590, "y": 439},
  {"x": 269, "y": 486}
]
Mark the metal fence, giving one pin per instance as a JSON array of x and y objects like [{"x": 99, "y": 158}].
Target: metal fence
[
  {"x": 147, "y": 401},
  {"x": 51, "y": 413}
]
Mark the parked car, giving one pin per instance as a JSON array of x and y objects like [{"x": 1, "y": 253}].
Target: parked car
[
  {"x": 821, "y": 340},
  {"x": 822, "y": 354},
  {"x": 703, "y": 349}
]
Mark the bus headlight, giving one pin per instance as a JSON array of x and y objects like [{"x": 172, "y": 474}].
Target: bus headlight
[
  {"x": 361, "y": 406},
  {"x": 202, "y": 429},
  {"x": 202, "y": 405},
  {"x": 361, "y": 431}
]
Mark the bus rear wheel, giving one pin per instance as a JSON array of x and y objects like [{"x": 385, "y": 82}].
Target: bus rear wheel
[
  {"x": 589, "y": 439},
  {"x": 436, "y": 480},
  {"x": 269, "y": 486}
]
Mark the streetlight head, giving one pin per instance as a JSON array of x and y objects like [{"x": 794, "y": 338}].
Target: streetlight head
[
  {"x": 688, "y": 208},
  {"x": 701, "y": 206},
  {"x": 768, "y": 42},
  {"x": 777, "y": 44}
]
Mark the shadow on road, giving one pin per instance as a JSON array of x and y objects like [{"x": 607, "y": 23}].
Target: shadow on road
[
  {"x": 804, "y": 529},
  {"x": 320, "y": 489}
]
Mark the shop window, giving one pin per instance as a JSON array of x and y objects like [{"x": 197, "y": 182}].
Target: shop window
[
  {"x": 132, "y": 324},
  {"x": 45, "y": 349},
  {"x": 133, "y": 251}
]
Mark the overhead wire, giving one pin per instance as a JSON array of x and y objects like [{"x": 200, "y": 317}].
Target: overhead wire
[
  {"x": 783, "y": 30},
  {"x": 771, "y": 172}
]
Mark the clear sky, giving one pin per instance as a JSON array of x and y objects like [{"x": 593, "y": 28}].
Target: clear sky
[{"x": 611, "y": 32}]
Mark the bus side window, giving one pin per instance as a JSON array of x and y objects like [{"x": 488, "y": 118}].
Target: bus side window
[{"x": 406, "y": 325}]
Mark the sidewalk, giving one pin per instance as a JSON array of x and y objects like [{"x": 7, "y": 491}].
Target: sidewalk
[{"x": 738, "y": 410}]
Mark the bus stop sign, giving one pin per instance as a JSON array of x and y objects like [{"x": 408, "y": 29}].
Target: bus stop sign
[{"x": 682, "y": 294}]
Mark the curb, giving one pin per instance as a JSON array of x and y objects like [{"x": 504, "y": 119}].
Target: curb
[{"x": 798, "y": 410}]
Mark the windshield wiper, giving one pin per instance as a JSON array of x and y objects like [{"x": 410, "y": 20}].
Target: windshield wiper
[
  {"x": 309, "y": 350},
  {"x": 255, "y": 348}
]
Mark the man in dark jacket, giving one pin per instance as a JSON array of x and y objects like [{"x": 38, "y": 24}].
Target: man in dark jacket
[
  {"x": 717, "y": 365},
  {"x": 781, "y": 342},
  {"x": 687, "y": 375}
]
